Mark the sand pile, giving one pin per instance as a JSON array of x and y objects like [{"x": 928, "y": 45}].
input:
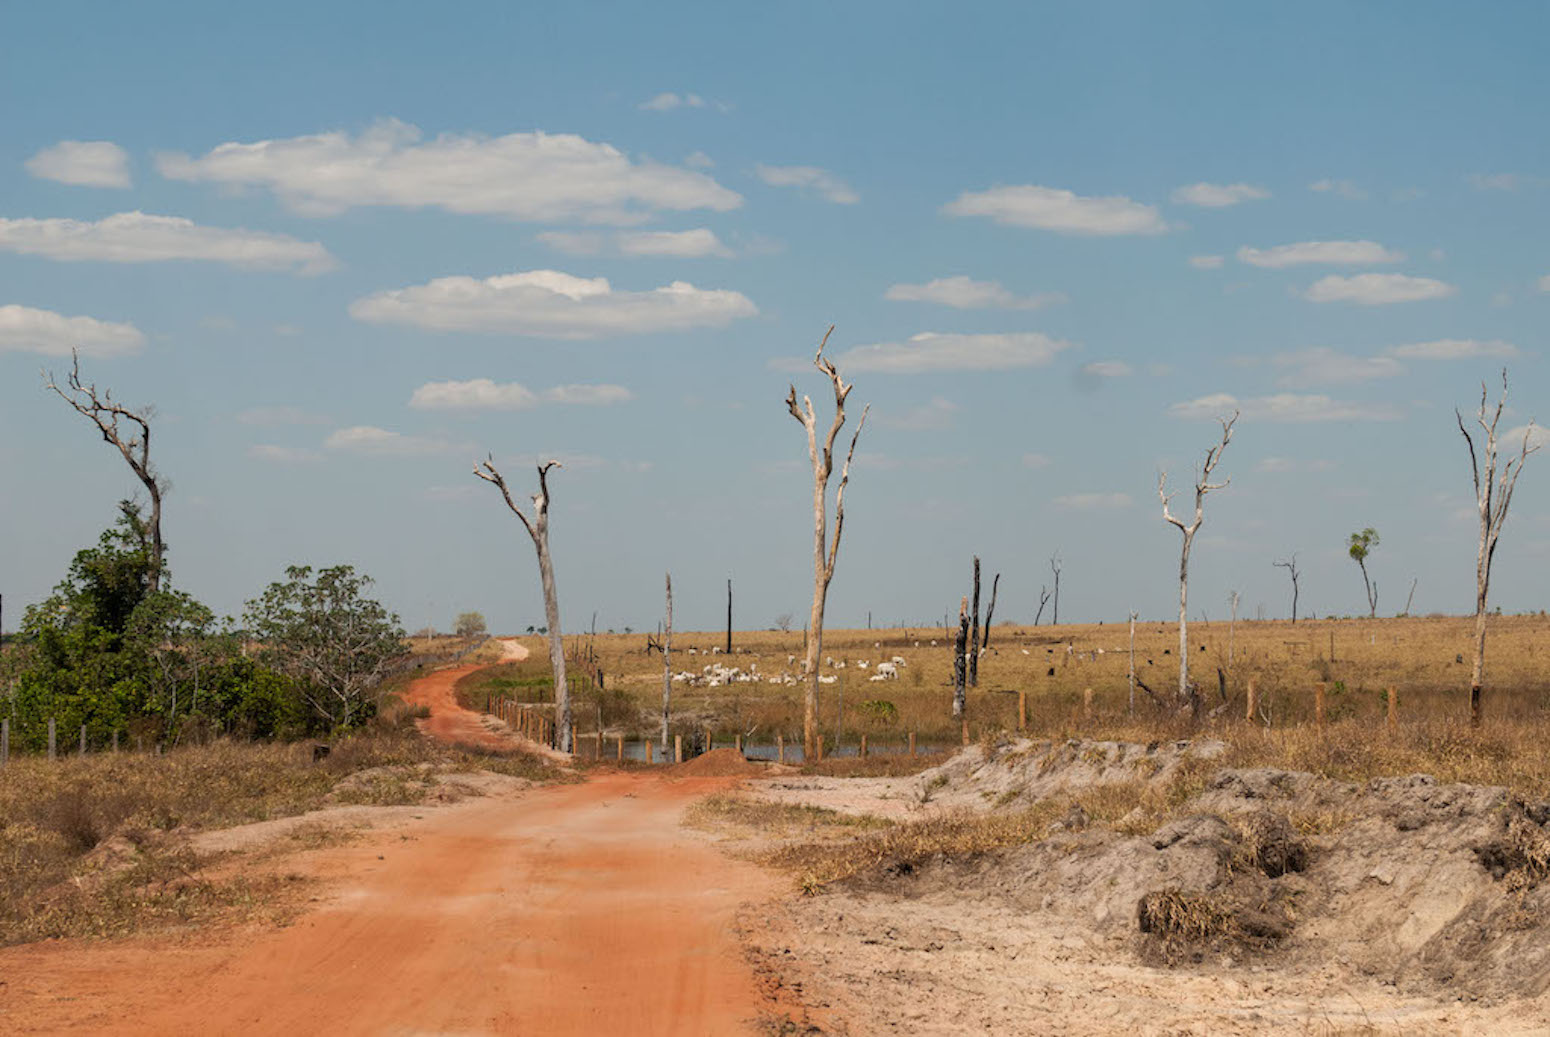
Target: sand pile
[{"x": 718, "y": 763}]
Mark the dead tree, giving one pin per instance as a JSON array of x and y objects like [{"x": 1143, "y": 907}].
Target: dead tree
[
  {"x": 1493, "y": 495},
  {"x": 1203, "y": 486},
  {"x": 974, "y": 630},
  {"x": 1290, "y": 565},
  {"x": 1410, "y": 598},
  {"x": 1054, "y": 564},
  {"x": 665, "y": 646},
  {"x": 132, "y": 438},
  {"x": 823, "y": 560},
  {"x": 538, "y": 530},
  {"x": 1043, "y": 600},
  {"x": 729, "y": 616},
  {"x": 960, "y": 648},
  {"x": 1132, "y": 663},
  {"x": 990, "y": 611}
]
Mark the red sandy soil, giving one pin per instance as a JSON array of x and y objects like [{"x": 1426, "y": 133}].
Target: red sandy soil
[
  {"x": 575, "y": 909},
  {"x": 450, "y": 722}
]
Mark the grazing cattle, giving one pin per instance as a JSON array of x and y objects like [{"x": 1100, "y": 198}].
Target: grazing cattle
[
  {"x": 898, "y": 660},
  {"x": 885, "y": 671}
]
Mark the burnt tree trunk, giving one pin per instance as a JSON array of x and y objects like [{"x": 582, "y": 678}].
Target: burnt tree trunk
[
  {"x": 974, "y": 631},
  {"x": 960, "y": 647}
]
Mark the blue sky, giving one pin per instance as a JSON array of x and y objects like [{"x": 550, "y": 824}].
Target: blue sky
[{"x": 347, "y": 249}]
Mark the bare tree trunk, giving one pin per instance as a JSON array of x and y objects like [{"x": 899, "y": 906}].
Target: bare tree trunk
[
  {"x": 960, "y": 647},
  {"x": 1132, "y": 664},
  {"x": 823, "y": 561},
  {"x": 667, "y": 665},
  {"x": 1493, "y": 496},
  {"x": 1054, "y": 564},
  {"x": 990, "y": 612},
  {"x": 1043, "y": 600},
  {"x": 729, "y": 616},
  {"x": 133, "y": 444},
  {"x": 538, "y": 532},
  {"x": 1372, "y": 591},
  {"x": 1410, "y": 598},
  {"x": 974, "y": 631},
  {"x": 1203, "y": 486}
]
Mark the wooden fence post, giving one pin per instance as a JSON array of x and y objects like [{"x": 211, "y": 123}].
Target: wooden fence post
[
  {"x": 863, "y": 745},
  {"x": 737, "y": 742},
  {"x": 678, "y": 748},
  {"x": 1393, "y": 709},
  {"x": 912, "y": 743},
  {"x": 820, "y": 749},
  {"x": 648, "y": 750},
  {"x": 1022, "y": 709},
  {"x": 51, "y": 754},
  {"x": 621, "y": 747},
  {"x": 1318, "y": 703},
  {"x": 600, "y": 745},
  {"x": 966, "y": 728},
  {"x": 710, "y": 739},
  {"x": 1251, "y": 704},
  {"x": 780, "y": 748}
]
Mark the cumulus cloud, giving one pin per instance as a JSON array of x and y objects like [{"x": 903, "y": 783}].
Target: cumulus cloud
[
  {"x": 1108, "y": 369},
  {"x": 1454, "y": 349},
  {"x": 551, "y": 304},
  {"x": 1036, "y": 461},
  {"x": 368, "y": 439},
  {"x": 1544, "y": 283},
  {"x": 931, "y": 352},
  {"x": 24, "y": 329},
  {"x": 1512, "y": 439},
  {"x": 1206, "y": 262},
  {"x": 965, "y": 294},
  {"x": 1495, "y": 181},
  {"x": 1337, "y": 253},
  {"x": 85, "y": 163},
  {"x": 1218, "y": 196},
  {"x": 1324, "y": 366},
  {"x": 283, "y": 454},
  {"x": 526, "y": 176},
  {"x": 667, "y": 101},
  {"x": 1093, "y": 501},
  {"x": 682, "y": 244},
  {"x": 1346, "y": 189},
  {"x": 484, "y": 394},
  {"x": 1378, "y": 289},
  {"x": 1048, "y": 208},
  {"x": 824, "y": 183},
  {"x": 137, "y": 237},
  {"x": 1283, "y": 407}
]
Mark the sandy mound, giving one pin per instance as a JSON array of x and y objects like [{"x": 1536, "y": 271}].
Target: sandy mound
[{"x": 718, "y": 763}]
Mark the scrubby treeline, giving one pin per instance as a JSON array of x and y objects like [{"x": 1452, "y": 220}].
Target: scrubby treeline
[{"x": 117, "y": 649}]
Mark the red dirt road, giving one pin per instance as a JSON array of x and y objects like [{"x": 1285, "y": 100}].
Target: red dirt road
[
  {"x": 577, "y": 909},
  {"x": 450, "y": 722}
]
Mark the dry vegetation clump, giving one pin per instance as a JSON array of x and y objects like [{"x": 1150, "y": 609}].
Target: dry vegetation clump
[
  {"x": 96, "y": 845},
  {"x": 774, "y": 819}
]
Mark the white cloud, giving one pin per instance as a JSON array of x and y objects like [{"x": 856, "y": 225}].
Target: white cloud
[
  {"x": 828, "y": 186},
  {"x": 666, "y": 102},
  {"x": 1036, "y": 461},
  {"x": 1093, "y": 501},
  {"x": 682, "y": 244},
  {"x": 24, "y": 329},
  {"x": 1206, "y": 262},
  {"x": 1512, "y": 439},
  {"x": 965, "y": 294},
  {"x": 931, "y": 351},
  {"x": 1544, "y": 283},
  {"x": 1108, "y": 369},
  {"x": 525, "y": 176},
  {"x": 699, "y": 160},
  {"x": 137, "y": 237},
  {"x": 1324, "y": 366},
  {"x": 1344, "y": 188},
  {"x": 282, "y": 415},
  {"x": 1454, "y": 349},
  {"x": 1047, "y": 208},
  {"x": 1378, "y": 289},
  {"x": 368, "y": 439},
  {"x": 1218, "y": 196},
  {"x": 1276, "y": 465},
  {"x": 483, "y": 394},
  {"x": 1283, "y": 407},
  {"x": 85, "y": 163},
  {"x": 937, "y": 414},
  {"x": 1495, "y": 181},
  {"x": 551, "y": 304},
  {"x": 283, "y": 454},
  {"x": 1339, "y": 253}
]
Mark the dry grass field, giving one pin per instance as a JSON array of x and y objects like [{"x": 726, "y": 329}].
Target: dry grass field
[{"x": 1425, "y": 659}]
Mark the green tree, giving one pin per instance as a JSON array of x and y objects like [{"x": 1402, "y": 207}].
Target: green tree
[
  {"x": 329, "y": 637},
  {"x": 1359, "y": 546},
  {"x": 470, "y": 624}
]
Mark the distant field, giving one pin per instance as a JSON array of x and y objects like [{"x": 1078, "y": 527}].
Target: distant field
[{"x": 1357, "y": 659}]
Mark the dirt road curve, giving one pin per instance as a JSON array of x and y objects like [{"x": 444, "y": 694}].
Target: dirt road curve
[
  {"x": 578, "y": 909},
  {"x": 448, "y": 721}
]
